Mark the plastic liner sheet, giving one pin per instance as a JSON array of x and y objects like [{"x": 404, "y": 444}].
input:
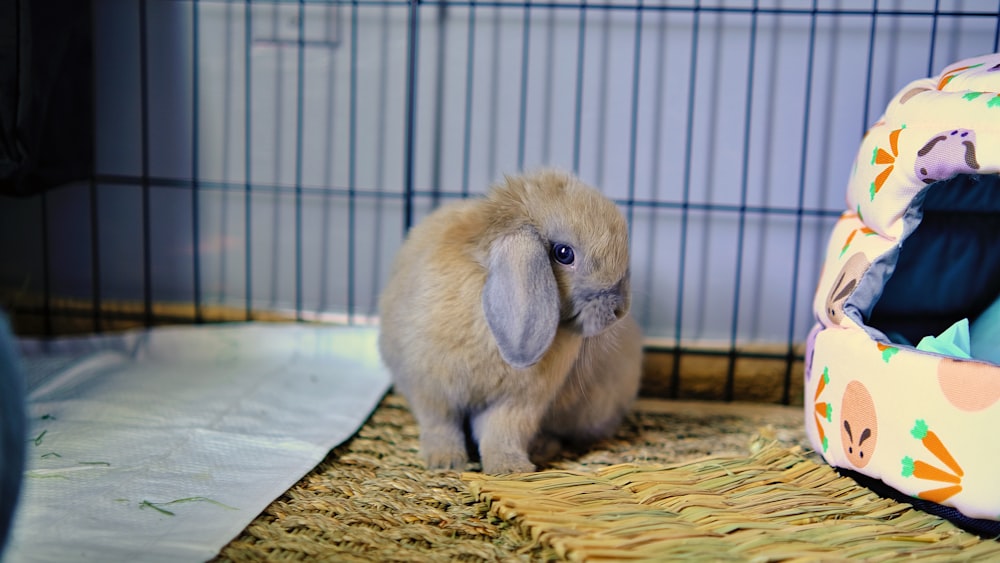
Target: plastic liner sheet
[{"x": 162, "y": 445}]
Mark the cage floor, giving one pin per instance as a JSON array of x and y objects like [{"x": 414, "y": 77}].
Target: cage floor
[{"x": 734, "y": 478}]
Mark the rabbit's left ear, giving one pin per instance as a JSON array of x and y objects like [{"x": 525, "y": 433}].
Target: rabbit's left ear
[{"x": 521, "y": 298}]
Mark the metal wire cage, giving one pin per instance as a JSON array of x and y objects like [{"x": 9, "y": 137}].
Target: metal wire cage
[{"x": 255, "y": 159}]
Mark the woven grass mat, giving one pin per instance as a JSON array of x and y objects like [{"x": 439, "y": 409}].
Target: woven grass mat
[
  {"x": 371, "y": 499},
  {"x": 772, "y": 506}
]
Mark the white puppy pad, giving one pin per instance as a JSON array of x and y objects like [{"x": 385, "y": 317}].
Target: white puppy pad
[{"x": 162, "y": 445}]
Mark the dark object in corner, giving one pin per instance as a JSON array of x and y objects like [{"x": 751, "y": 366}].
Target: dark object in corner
[
  {"x": 46, "y": 94},
  {"x": 988, "y": 529},
  {"x": 13, "y": 428}
]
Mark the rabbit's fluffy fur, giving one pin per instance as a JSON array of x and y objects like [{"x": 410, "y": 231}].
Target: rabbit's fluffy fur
[{"x": 483, "y": 328}]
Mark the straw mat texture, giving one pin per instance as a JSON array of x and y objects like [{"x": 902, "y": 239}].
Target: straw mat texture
[
  {"x": 772, "y": 506},
  {"x": 372, "y": 500}
]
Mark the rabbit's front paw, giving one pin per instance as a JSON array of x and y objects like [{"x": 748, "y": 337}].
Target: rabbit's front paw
[
  {"x": 446, "y": 459},
  {"x": 444, "y": 451},
  {"x": 510, "y": 462},
  {"x": 442, "y": 442}
]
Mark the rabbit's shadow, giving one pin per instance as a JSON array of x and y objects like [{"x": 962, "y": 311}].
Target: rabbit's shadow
[{"x": 549, "y": 452}]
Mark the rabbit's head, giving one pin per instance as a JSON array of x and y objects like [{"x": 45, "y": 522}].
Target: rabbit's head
[{"x": 556, "y": 255}]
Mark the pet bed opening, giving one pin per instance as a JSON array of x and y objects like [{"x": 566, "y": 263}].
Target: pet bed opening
[{"x": 946, "y": 267}]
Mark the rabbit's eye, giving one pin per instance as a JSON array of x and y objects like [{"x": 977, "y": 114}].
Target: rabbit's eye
[{"x": 563, "y": 253}]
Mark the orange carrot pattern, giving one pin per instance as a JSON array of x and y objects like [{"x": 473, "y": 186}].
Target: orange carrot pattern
[
  {"x": 935, "y": 446},
  {"x": 953, "y": 73},
  {"x": 894, "y": 140},
  {"x": 824, "y": 380},
  {"x": 928, "y": 472},
  {"x": 847, "y": 244},
  {"x": 822, "y": 435},
  {"x": 942, "y": 494},
  {"x": 880, "y": 180},
  {"x": 824, "y": 410},
  {"x": 881, "y": 156}
]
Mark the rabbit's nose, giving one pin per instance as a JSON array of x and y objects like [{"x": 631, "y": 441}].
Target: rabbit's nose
[
  {"x": 618, "y": 305},
  {"x": 615, "y": 302},
  {"x": 621, "y": 301}
]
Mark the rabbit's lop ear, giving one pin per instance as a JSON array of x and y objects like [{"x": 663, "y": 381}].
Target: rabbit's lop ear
[{"x": 521, "y": 299}]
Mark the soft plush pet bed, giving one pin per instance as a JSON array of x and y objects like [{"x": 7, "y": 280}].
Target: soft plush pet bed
[{"x": 902, "y": 375}]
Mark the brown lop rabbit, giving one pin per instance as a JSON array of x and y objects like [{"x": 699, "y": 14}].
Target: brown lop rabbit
[{"x": 508, "y": 315}]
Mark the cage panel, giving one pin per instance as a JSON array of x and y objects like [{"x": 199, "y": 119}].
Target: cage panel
[{"x": 263, "y": 158}]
